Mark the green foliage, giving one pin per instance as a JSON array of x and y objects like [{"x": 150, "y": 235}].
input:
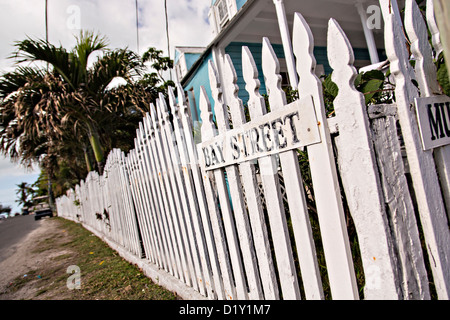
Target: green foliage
[
  {"x": 25, "y": 193},
  {"x": 374, "y": 85},
  {"x": 66, "y": 114},
  {"x": 442, "y": 74}
]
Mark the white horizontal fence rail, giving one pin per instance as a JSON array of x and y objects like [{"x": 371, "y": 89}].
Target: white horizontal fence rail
[{"x": 233, "y": 216}]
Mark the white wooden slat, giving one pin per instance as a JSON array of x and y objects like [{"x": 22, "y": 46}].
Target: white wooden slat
[
  {"x": 432, "y": 25},
  {"x": 401, "y": 208},
  {"x": 421, "y": 163},
  {"x": 171, "y": 197},
  {"x": 205, "y": 276},
  {"x": 234, "y": 184},
  {"x": 296, "y": 200},
  {"x": 136, "y": 197},
  {"x": 180, "y": 192},
  {"x": 427, "y": 78},
  {"x": 128, "y": 201},
  {"x": 208, "y": 210},
  {"x": 167, "y": 199},
  {"x": 157, "y": 192},
  {"x": 359, "y": 174},
  {"x": 323, "y": 171},
  {"x": 141, "y": 203},
  {"x": 257, "y": 108},
  {"x": 247, "y": 170},
  {"x": 208, "y": 131},
  {"x": 151, "y": 201}
]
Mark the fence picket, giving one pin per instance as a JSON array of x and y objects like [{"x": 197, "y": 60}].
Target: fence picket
[
  {"x": 157, "y": 192},
  {"x": 427, "y": 78},
  {"x": 235, "y": 187},
  {"x": 296, "y": 200},
  {"x": 360, "y": 179},
  {"x": 323, "y": 171},
  {"x": 184, "y": 220},
  {"x": 269, "y": 176},
  {"x": 247, "y": 171},
  {"x": 141, "y": 145},
  {"x": 205, "y": 198},
  {"x": 207, "y": 130},
  {"x": 421, "y": 163},
  {"x": 204, "y": 277}
]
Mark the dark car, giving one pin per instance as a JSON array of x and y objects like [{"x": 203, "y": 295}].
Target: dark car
[{"x": 42, "y": 209}]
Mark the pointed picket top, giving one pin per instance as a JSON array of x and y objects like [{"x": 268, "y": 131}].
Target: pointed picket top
[
  {"x": 434, "y": 30},
  {"x": 231, "y": 90},
  {"x": 147, "y": 125},
  {"x": 398, "y": 55},
  {"x": 256, "y": 104},
  {"x": 159, "y": 113},
  {"x": 153, "y": 119},
  {"x": 271, "y": 70},
  {"x": 340, "y": 53},
  {"x": 303, "y": 46},
  {"x": 420, "y": 47},
  {"x": 173, "y": 103},
  {"x": 341, "y": 59},
  {"x": 164, "y": 109},
  {"x": 220, "y": 109},
  {"x": 208, "y": 127},
  {"x": 184, "y": 109}
]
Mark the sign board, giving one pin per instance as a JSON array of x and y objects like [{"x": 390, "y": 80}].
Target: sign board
[
  {"x": 283, "y": 129},
  {"x": 433, "y": 115}
]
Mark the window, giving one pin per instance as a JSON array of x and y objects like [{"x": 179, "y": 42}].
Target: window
[
  {"x": 178, "y": 71},
  {"x": 222, "y": 12}
]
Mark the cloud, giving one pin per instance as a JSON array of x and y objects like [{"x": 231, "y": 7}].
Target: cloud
[{"x": 188, "y": 23}]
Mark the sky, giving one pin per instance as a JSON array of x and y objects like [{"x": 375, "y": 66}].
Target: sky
[{"x": 115, "y": 19}]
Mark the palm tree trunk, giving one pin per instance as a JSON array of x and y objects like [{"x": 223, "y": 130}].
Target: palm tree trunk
[
  {"x": 50, "y": 192},
  {"x": 87, "y": 159},
  {"x": 96, "y": 148}
]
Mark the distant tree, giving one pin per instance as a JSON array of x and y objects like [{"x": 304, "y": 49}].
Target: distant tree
[{"x": 25, "y": 193}]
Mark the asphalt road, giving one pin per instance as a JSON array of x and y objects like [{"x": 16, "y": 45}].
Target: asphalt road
[{"x": 12, "y": 231}]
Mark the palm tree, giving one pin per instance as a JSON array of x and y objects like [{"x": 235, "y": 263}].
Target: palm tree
[
  {"x": 83, "y": 88},
  {"x": 25, "y": 192},
  {"x": 67, "y": 114}
]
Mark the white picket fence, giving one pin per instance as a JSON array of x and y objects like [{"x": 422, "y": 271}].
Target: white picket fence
[{"x": 195, "y": 211}]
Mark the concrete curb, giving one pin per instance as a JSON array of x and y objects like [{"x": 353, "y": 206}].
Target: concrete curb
[{"x": 157, "y": 275}]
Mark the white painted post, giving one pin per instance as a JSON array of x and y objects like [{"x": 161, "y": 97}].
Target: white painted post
[
  {"x": 323, "y": 171},
  {"x": 422, "y": 167},
  {"x": 209, "y": 211},
  {"x": 158, "y": 193},
  {"x": 286, "y": 40},
  {"x": 296, "y": 200},
  {"x": 427, "y": 78},
  {"x": 185, "y": 221},
  {"x": 359, "y": 173},
  {"x": 234, "y": 185},
  {"x": 208, "y": 129},
  {"x": 205, "y": 276}
]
